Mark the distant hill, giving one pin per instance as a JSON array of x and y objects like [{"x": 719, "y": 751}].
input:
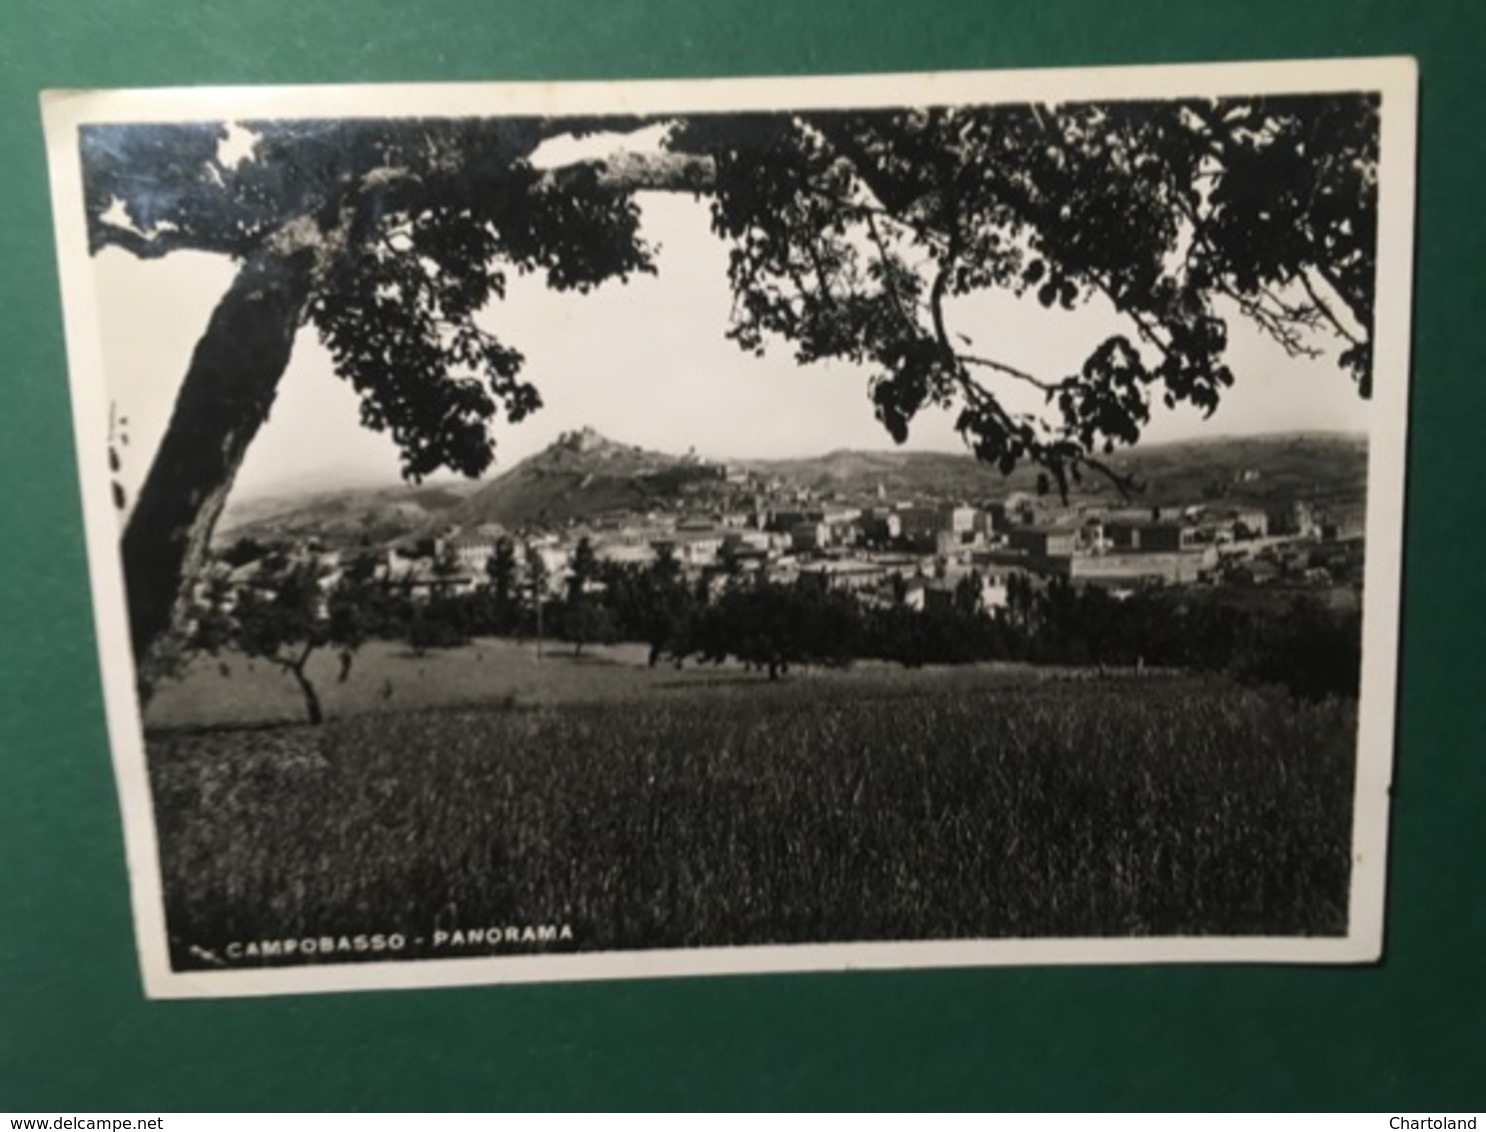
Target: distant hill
[
  {"x": 1328, "y": 470},
  {"x": 584, "y": 476},
  {"x": 1323, "y": 468},
  {"x": 376, "y": 515}
]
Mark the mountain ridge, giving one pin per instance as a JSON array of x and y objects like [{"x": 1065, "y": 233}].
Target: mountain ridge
[{"x": 584, "y": 476}]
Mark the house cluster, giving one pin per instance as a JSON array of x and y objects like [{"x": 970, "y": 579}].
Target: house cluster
[
  {"x": 915, "y": 552},
  {"x": 1185, "y": 544},
  {"x": 724, "y": 523}
]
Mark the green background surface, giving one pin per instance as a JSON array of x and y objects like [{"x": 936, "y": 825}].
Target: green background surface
[{"x": 75, "y": 1031}]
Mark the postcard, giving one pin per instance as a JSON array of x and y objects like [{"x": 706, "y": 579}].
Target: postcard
[{"x": 615, "y": 530}]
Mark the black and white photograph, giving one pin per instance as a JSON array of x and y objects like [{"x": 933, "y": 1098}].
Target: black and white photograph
[{"x": 613, "y": 530}]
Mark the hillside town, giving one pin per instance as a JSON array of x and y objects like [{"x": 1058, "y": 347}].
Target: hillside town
[{"x": 722, "y": 523}]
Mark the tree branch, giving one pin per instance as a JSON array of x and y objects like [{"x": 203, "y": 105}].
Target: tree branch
[
  {"x": 836, "y": 130},
  {"x": 889, "y": 284},
  {"x": 1011, "y": 371},
  {"x": 1279, "y": 324},
  {"x": 639, "y": 172},
  {"x": 1267, "y": 319},
  {"x": 936, "y": 298},
  {"x": 1325, "y": 308},
  {"x": 159, "y": 242},
  {"x": 1319, "y": 265},
  {"x": 1127, "y": 485},
  {"x": 1142, "y": 326}
]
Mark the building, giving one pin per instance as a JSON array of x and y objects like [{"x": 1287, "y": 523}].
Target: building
[
  {"x": 755, "y": 540},
  {"x": 1151, "y": 536},
  {"x": 881, "y": 528},
  {"x": 786, "y": 520},
  {"x": 1247, "y": 523},
  {"x": 809, "y": 536},
  {"x": 840, "y": 515},
  {"x": 918, "y": 521},
  {"x": 1297, "y": 519},
  {"x": 552, "y": 556},
  {"x": 990, "y": 584},
  {"x": 1341, "y": 526},
  {"x": 939, "y": 597},
  {"x": 624, "y": 552},
  {"x": 850, "y": 574},
  {"x": 471, "y": 552},
  {"x": 1146, "y": 567},
  {"x": 962, "y": 520},
  {"x": 693, "y": 548},
  {"x": 1044, "y": 542}
]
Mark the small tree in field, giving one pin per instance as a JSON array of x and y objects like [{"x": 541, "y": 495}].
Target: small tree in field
[
  {"x": 501, "y": 570},
  {"x": 583, "y": 568},
  {"x": 588, "y": 622},
  {"x": 285, "y": 617}
]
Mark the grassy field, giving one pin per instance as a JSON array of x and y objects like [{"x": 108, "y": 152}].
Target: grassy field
[
  {"x": 233, "y": 690},
  {"x": 721, "y": 810}
]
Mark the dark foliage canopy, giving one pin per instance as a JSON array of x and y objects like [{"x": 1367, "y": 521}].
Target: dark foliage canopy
[
  {"x": 851, "y": 236},
  {"x": 1164, "y": 209},
  {"x": 416, "y": 225},
  {"x": 852, "y": 233}
]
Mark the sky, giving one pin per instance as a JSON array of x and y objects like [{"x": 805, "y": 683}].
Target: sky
[{"x": 646, "y": 362}]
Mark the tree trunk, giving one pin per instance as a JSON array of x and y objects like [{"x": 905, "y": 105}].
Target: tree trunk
[
  {"x": 311, "y": 697},
  {"x": 224, "y": 400}
]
